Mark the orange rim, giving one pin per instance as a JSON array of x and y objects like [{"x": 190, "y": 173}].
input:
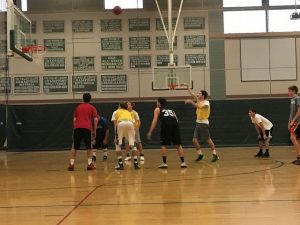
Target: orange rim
[{"x": 34, "y": 48}]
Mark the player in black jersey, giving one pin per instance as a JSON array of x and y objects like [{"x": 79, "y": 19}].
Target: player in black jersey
[{"x": 170, "y": 132}]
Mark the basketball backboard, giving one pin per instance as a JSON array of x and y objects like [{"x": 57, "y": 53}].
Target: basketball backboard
[
  {"x": 18, "y": 31},
  {"x": 165, "y": 77}
]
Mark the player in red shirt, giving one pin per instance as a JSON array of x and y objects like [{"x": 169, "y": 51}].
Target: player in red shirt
[{"x": 85, "y": 124}]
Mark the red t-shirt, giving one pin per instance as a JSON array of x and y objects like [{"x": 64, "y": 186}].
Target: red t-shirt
[{"x": 84, "y": 116}]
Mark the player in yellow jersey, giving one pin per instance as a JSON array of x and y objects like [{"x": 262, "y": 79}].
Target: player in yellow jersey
[
  {"x": 201, "y": 131},
  {"x": 124, "y": 125},
  {"x": 137, "y": 124}
]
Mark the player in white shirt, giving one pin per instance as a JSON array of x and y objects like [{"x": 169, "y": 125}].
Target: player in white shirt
[{"x": 263, "y": 127}]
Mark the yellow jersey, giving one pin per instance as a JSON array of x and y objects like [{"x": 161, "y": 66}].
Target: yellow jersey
[
  {"x": 123, "y": 115},
  {"x": 136, "y": 119},
  {"x": 203, "y": 112}
]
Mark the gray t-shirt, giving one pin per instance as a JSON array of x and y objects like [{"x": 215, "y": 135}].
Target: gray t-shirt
[{"x": 295, "y": 103}]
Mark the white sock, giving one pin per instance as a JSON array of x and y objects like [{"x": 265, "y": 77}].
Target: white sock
[
  {"x": 90, "y": 161},
  {"x": 94, "y": 152},
  {"x": 105, "y": 151},
  {"x": 135, "y": 157},
  {"x": 118, "y": 148},
  {"x": 72, "y": 161},
  {"x": 214, "y": 152},
  {"x": 199, "y": 151},
  {"x": 120, "y": 160}
]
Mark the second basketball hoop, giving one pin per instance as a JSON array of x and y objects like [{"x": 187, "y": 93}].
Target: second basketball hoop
[{"x": 36, "y": 51}]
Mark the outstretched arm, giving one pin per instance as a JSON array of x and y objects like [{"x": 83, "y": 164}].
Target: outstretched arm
[
  {"x": 190, "y": 101},
  {"x": 154, "y": 122},
  {"x": 190, "y": 91}
]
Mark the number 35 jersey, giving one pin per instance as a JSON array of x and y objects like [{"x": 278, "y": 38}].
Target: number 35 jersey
[{"x": 167, "y": 116}]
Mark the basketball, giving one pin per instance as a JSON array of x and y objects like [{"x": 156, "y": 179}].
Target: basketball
[{"x": 117, "y": 10}]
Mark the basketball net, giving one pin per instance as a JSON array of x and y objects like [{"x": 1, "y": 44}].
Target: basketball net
[
  {"x": 172, "y": 86},
  {"x": 37, "y": 53}
]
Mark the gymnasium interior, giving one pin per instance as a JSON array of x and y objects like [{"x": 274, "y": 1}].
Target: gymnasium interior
[{"x": 244, "y": 53}]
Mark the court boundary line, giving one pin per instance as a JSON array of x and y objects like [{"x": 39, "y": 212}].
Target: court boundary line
[
  {"x": 156, "y": 203},
  {"x": 204, "y": 178},
  {"x": 104, "y": 185},
  {"x": 80, "y": 203},
  {"x": 91, "y": 192},
  {"x": 82, "y": 200},
  {"x": 77, "y": 205}
]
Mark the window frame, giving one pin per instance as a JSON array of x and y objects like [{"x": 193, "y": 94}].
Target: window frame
[
  {"x": 266, "y": 7},
  {"x": 239, "y": 6},
  {"x": 243, "y": 11},
  {"x": 111, "y": 6}
]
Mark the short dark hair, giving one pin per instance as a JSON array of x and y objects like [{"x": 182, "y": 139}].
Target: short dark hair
[
  {"x": 252, "y": 110},
  {"x": 123, "y": 105},
  {"x": 293, "y": 88},
  {"x": 162, "y": 101},
  {"x": 86, "y": 97},
  {"x": 204, "y": 93},
  {"x": 132, "y": 104}
]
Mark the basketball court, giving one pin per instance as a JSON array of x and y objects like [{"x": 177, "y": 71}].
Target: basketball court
[
  {"x": 245, "y": 54},
  {"x": 37, "y": 189}
]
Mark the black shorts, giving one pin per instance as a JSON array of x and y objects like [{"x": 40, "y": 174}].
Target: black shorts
[
  {"x": 268, "y": 134},
  {"x": 170, "y": 133},
  {"x": 80, "y": 134},
  {"x": 100, "y": 135},
  {"x": 297, "y": 132}
]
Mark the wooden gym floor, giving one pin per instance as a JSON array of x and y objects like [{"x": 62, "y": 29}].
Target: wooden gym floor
[{"x": 36, "y": 189}]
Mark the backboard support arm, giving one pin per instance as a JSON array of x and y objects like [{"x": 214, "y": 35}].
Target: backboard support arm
[{"x": 170, "y": 35}]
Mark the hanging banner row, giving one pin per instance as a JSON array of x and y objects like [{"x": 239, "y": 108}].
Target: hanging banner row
[
  {"x": 115, "y": 25},
  {"x": 116, "y": 62},
  {"x": 134, "y": 43},
  {"x": 51, "y": 84}
]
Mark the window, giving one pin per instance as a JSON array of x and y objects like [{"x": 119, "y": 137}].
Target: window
[
  {"x": 244, "y": 21},
  {"x": 279, "y": 21},
  {"x": 241, "y": 3},
  {"x": 128, "y": 4},
  {"x": 282, "y": 2},
  {"x": 24, "y": 5},
  {"x": 3, "y": 5}
]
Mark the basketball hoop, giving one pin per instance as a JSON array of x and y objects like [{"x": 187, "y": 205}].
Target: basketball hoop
[
  {"x": 36, "y": 51},
  {"x": 172, "y": 86}
]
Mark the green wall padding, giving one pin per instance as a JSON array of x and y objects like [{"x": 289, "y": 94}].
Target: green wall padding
[{"x": 49, "y": 127}]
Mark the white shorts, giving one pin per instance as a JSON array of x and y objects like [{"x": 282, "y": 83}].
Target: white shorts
[
  {"x": 125, "y": 129},
  {"x": 137, "y": 136}
]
